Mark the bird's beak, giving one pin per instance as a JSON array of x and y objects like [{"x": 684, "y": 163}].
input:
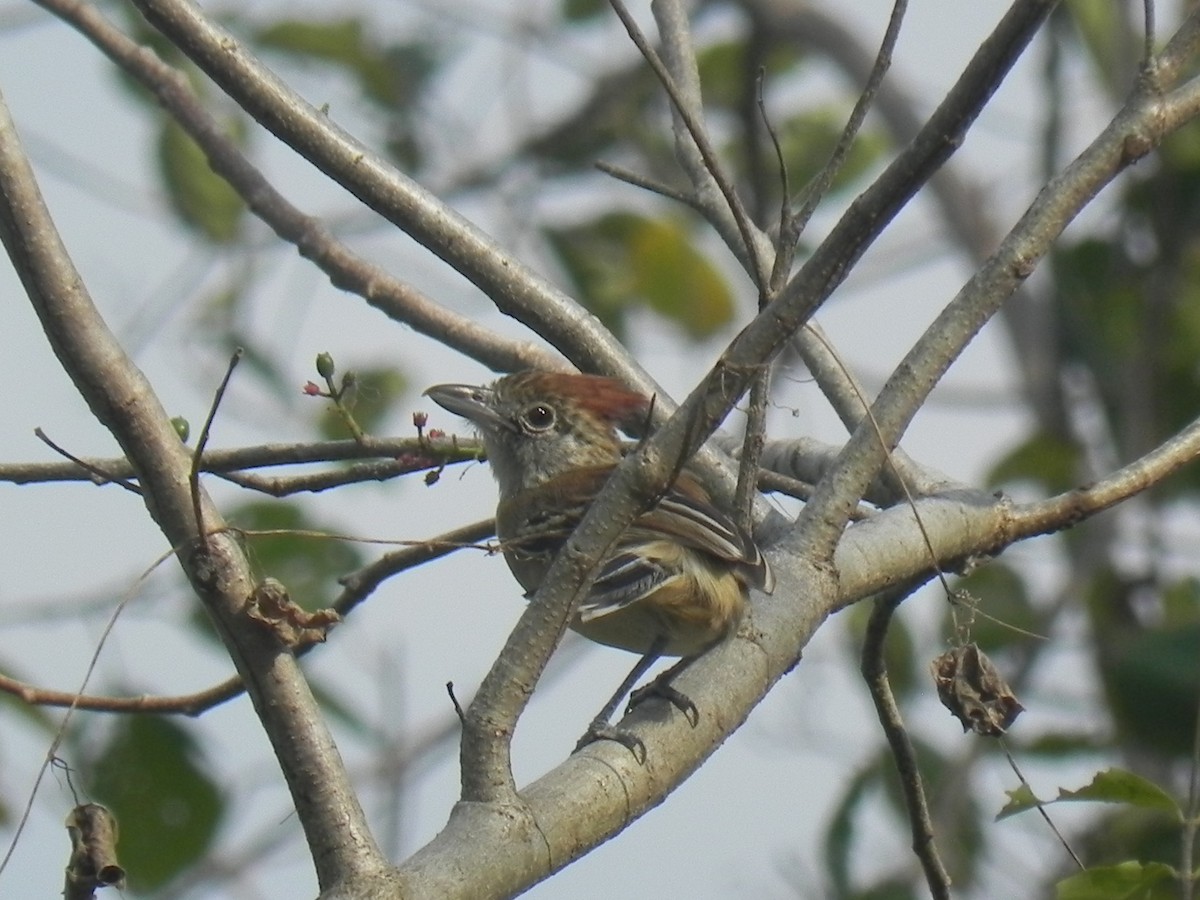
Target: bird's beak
[{"x": 471, "y": 402}]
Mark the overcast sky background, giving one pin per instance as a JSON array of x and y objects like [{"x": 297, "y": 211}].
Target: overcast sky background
[{"x": 748, "y": 820}]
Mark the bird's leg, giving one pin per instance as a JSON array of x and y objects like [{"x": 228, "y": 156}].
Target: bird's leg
[
  {"x": 601, "y": 729},
  {"x": 661, "y": 687}
]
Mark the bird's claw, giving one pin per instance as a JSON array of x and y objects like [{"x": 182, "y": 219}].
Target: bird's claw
[
  {"x": 674, "y": 696},
  {"x": 602, "y": 731}
]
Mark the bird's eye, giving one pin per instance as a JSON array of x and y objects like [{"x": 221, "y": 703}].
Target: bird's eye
[{"x": 538, "y": 417}]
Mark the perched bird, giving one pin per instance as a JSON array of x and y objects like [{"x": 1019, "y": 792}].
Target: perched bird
[{"x": 675, "y": 583}]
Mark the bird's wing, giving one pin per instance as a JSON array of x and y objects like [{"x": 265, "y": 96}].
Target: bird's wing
[
  {"x": 684, "y": 517},
  {"x": 648, "y": 556},
  {"x": 687, "y": 514},
  {"x": 625, "y": 579}
]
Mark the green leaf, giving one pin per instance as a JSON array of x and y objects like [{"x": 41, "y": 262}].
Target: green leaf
[
  {"x": 1042, "y": 459},
  {"x": 1020, "y": 799},
  {"x": 1130, "y": 309},
  {"x": 594, "y": 263},
  {"x": 308, "y": 566},
  {"x": 616, "y": 115},
  {"x": 389, "y": 76},
  {"x": 860, "y": 803},
  {"x": 149, "y": 773},
  {"x": 1102, "y": 31},
  {"x": 808, "y": 138},
  {"x": 1103, "y": 305},
  {"x": 1152, "y": 679},
  {"x": 1180, "y": 602},
  {"x": 1122, "y": 832},
  {"x": 1060, "y": 744},
  {"x": 839, "y": 838},
  {"x": 583, "y": 10},
  {"x": 1109, "y": 786},
  {"x": 1124, "y": 881},
  {"x": 337, "y": 40},
  {"x": 621, "y": 261},
  {"x": 1123, "y": 786},
  {"x": 677, "y": 280},
  {"x": 725, "y": 73},
  {"x": 203, "y": 200}
]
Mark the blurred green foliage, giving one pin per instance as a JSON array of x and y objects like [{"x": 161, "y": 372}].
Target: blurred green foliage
[{"x": 151, "y": 774}]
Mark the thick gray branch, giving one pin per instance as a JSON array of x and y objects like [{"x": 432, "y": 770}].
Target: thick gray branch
[
  {"x": 121, "y": 398},
  {"x": 1140, "y": 126},
  {"x": 516, "y": 290}
]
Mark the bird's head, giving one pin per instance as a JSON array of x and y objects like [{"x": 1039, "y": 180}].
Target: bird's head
[{"x": 536, "y": 425}]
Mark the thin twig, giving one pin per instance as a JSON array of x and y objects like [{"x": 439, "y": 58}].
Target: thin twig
[
  {"x": 874, "y": 671},
  {"x": 418, "y": 454},
  {"x": 647, "y": 184},
  {"x": 752, "y": 447},
  {"x": 100, "y": 476},
  {"x": 356, "y": 588},
  {"x": 202, "y": 442},
  {"x": 458, "y": 710},
  {"x": 756, "y": 44},
  {"x": 699, "y": 135},
  {"x": 61, "y": 733},
  {"x": 315, "y": 482},
  {"x": 774, "y": 482},
  {"x": 1148, "y": 33},
  {"x": 789, "y": 233},
  {"x": 957, "y": 599},
  {"x": 1042, "y": 516},
  {"x": 901, "y": 481},
  {"x": 1040, "y": 807},
  {"x": 816, "y": 189},
  {"x": 760, "y": 389}
]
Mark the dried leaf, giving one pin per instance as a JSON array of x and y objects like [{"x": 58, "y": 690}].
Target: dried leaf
[
  {"x": 295, "y": 626},
  {"x": 93, "y": 832},
  {"x": 969, "y": 685}
]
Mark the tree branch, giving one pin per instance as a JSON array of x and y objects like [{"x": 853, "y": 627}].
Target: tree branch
[
  {"x": 680, "y": 78},
  {"x": 357, "y": 587},
  {"x": 310, "y": 235},
  {"x": 120, "y": 397},
  {"x": 961, "y": 199},
  {"x": 1043, "y": 516},
  {"x": 516, "y": 290},
  {"x": 644, "y": 474},
  {"x": 874, "y": 672},
  {"x": 416, "y": 453},
  {"x": 1140, "y": 125}
]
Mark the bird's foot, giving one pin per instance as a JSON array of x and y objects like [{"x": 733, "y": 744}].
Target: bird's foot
[
  {"x": 600, "y": 730},
  {"x": 662, "y": 689}
]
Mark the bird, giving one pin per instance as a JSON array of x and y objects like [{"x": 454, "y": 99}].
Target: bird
[{"x": 675, "y": 583}]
